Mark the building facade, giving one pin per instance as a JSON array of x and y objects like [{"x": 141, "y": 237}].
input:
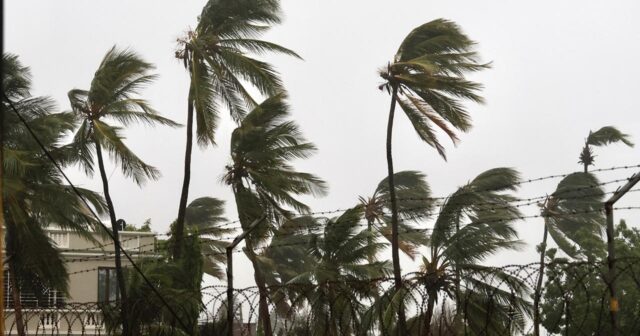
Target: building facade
[{"x": 91, "y": 267}]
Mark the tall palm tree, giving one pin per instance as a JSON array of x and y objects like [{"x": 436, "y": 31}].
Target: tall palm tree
[
  {"x": 264, "y": 182},
  {"x": 113, "y": 96},
  {"x": 221, "y": 71},
  {"x": 474, "y": 223},
  {"x": 413, "y": 204},
  {"x": 34, "y": 195},
  {"x": 339, "y": 279},
  {"x": 427, "y": 79},
  {"x": 602, "y": 137},
  {"x": 570, "y": 215}
]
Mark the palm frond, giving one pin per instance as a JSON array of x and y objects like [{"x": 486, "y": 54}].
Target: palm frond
[{"x": 608, "y": 135}]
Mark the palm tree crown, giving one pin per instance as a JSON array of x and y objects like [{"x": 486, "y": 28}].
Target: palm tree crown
[
  {"x": 113, "y": 96},
  {"x": 602, "y": 137},
  {"x": 427, "y": 78},
  {"x": 216, "y": 55}
]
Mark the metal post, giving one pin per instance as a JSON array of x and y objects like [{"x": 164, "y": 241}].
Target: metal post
[
  {"x": 229, "y": 249},
  {"x": 611, "y": 262},
  {"x": 611, "y": 258}
]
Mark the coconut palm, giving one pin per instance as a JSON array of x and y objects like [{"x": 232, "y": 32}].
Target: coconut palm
[
  {"x": 413, "y": 204},
  {"x": 602, "y": 137},
  {"x": 111, "y": 103},
  {"x": 204, "y": 218},
  {"x": 34, "y": 196},
  {"x": 427, "y": 79},
  {"x": 216, "y": 54},
  {"x": 264, "y": 182},
  {"x": 335, "y": 285},
  {"x": 570, "y": 216},
  {"x": 474, "y": 223}
]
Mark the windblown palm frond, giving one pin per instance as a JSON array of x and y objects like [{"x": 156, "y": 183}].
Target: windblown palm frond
[
  {"x": 113, "y": 96},
  {"x": 427, "y": 79},
  {"x": 413, "y": 202},
  {"x": 205, "y": 216},
  {"x": 216, "y": 54},
  {"x": 572, "y": 211},
  {"x": 602, "y": 137},
  {"x": 261, "y": 149}
]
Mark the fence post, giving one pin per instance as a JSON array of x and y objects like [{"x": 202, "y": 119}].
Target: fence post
[
  {"x": 611, "y": 257},
  {"x": 229, "y": 249}
]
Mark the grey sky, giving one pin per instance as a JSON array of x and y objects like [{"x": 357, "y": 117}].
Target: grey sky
[{"x": 561, "y": 68}]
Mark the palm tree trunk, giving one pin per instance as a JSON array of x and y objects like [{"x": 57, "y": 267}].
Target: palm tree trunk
[
  {"x": 17, "y": 304},
  {"x": 395, "y": 254},
  {"x": 376, "y": 295},
  {"x": 431, "y": 300},
  {"x": 537, "y": 293},
  {"x": 182, "y": 207},
  {"x": 114, "y": 228},
  {"x": 457, "y": 318},
  {"x": 263, "y": 305}
]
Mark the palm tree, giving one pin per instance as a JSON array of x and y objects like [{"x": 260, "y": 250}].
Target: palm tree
[
  {"x": 474, "y": 222},
  {"x": 570, "y": 216},
  {"x": 204, "y": 218},
  {"x": 221, "y": 72},
  {"x": 339, "y": 278},
  {"x": 413, "y": 203},
  {"x": 263, "y": 180},
  {"x": 602, "y": 137},
  {"x": 426, "y": 78},
  {"x": 34, "y": 196},
  {"x": 113, "y": 96}
]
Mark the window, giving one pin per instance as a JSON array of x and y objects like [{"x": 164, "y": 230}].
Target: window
[
  {"x": 107, "y": 285},
  {"x": 60, "y": 239},
  {"x": 130, "y": 243}
]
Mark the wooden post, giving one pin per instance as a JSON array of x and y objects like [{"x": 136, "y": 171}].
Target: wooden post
[{"x": 229, "y": 249}]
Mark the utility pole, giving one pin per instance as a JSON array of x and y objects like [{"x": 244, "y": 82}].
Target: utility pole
[
  {"x": 611, "y": 258},
  {"x": 229, "y": 249}
]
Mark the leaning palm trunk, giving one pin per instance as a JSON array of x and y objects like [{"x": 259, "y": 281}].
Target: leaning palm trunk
[
  {"x": 182, "y": 207},
  {"x": 538, "y": 293},
  {"x": 263, "y": 305},
  {"x": 395, "y": 255},
  {"x": 114, "y": 228}
]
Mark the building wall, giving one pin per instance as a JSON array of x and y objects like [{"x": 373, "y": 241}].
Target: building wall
[
  {"x": 81, "y": 315},
  {"x": 83, "y": 265}
]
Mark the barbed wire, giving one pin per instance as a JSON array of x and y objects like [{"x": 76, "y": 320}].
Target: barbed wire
[
  {"x": 528, "y": 202},
  {"x": 402, "y": 233}
]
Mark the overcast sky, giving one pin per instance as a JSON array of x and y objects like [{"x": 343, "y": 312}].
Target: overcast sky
[{"x": 560, "y": 69}]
